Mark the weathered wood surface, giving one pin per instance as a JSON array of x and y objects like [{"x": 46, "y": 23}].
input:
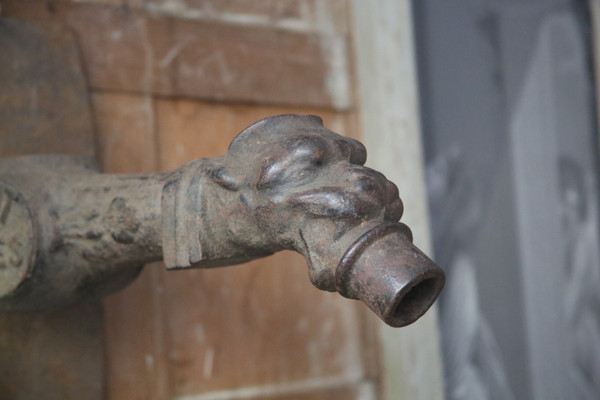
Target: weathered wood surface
[
  {"x": 247, "y": 332},
  {"x": 44, "y": 109},
  {"x": 411, "y": 365},
  {"x": 42, "y": 91},
  {"x": 235, "y": 52}
]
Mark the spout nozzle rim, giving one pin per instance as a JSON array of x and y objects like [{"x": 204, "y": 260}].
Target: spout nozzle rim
[
  {"x": 357, "y": 248},
  {"x": 414, "y": 299}
]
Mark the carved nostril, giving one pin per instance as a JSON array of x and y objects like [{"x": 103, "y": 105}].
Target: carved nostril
[{"x": 358, "y": 154}]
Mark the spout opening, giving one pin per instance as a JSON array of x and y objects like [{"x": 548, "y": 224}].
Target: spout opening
[
  {"x": 412, "y": 302},
  {"x": 390, "y": 275}
]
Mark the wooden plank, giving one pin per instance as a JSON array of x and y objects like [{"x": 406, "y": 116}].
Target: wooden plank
[
  {"x": 43, "y": 92},
  {"x": 128, "y": 49},
  {"x": 411, "y": 362},
  {"x": 264, "y": 12},
  {"x": 309, "y": 391},
  {"x": 44, "y": 109},
  {"x": 293, "y": 15},
  {"x": 256, "y": 324},
  {"x": 226, "y": 62},
  {"x": 136, "y": 365},
  {"x": 121, "y": 50},
  {"x": 125, "y": 132},
  {"x": 54, "y": 356},
  {"x": 363, "y": 393}
]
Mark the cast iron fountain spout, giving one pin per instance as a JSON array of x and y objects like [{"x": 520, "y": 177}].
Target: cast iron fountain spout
[{"x": 286, "y": 182}]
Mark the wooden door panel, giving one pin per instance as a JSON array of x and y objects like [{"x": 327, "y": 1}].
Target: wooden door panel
[
  {"x": 44, "y": 109},
  {"x": 245, "y": 332},
  {"x": 135, "y": 356},
  {"x": 227, "y": 53}
]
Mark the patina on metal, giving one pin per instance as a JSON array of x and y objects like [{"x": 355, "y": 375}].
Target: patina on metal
[{"x": 286, "y": 183}]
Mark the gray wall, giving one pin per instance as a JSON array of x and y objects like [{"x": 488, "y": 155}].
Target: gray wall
[{"x": 507, "y": 111}]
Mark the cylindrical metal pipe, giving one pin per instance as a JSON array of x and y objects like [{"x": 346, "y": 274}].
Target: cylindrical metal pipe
[
  {"x": 389, "y": 274},
  {"x": 74, "y": 234}
]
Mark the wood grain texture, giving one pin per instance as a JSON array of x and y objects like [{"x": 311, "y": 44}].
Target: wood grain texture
[
  {"x": 260, "y": 326},
  {"x": 360, "y": 393},
  {"x": 121, "y": 49},
  {"x": 261, "y": 11},
  {"x": 292, "y": 15},
  {"x": 411, "y": 364},
  {"x": 54, "y": 356},
  {"x": 125, "y": 140},
  {"x": 233, "y": 60},
  {"x": 246, "y": 63},
  {"x": 44, "y": 108},
  {"x": 43, "y": 91},
  {"x": 136, "y": 366},
  {"x": 311, "y": 391}
]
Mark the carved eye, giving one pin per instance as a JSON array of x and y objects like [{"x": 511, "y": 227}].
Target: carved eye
[{"x": 298, "y": 162}]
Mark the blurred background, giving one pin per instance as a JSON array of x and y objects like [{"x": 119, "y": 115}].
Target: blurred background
[
  {"x": 483, "y": 112},
  {"x": 509, "y": 114}
]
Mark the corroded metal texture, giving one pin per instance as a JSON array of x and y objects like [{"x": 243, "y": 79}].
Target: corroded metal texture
[
  {"x": 16, "y": 238},
  {"x": 286, "y": 182},
  {"x": 92, "y": 232}
]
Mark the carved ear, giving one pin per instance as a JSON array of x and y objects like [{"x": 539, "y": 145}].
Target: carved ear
[{"x": 221, "y": 177}]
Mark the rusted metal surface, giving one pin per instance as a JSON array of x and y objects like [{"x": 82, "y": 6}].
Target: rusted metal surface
[
  {"x": 286, "y": 182},
  {"x": 17, "y": 241},
  {"x": 92, "y": 232}
]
